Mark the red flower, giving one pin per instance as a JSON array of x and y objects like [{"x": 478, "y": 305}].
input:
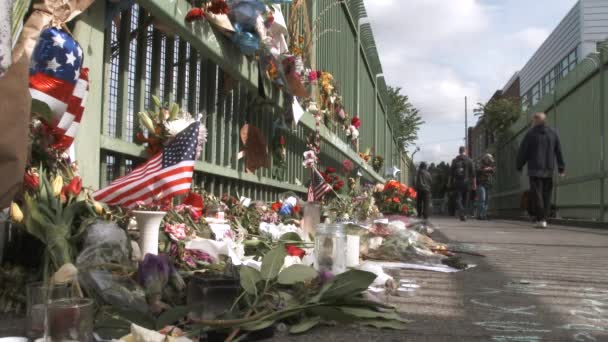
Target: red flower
[
  {"x": 404, "y": 209},
  {"x": 276, "y": 206},
  {"x": 74, "y": 187},
  {"x": 391, "y": 185},
  {"x": 31, "y": 180},
  {"x": 140, "y": 138},
  {"x": 297, "y": 209},
  {"x": 396, "y": 200},
  {"x": 194, "y": 14},
  {"x": 295, "y": 251},
  {"x": 337, "y": 187},
  {"x": 330, "y": 170},
  {"x": 219, "y": 7},
  {"x": 356, "y": 122},
  {"x": 341, "y": 183},
  {"x": 282, "y": 140},
  {"x": 403, "y": 189},
  {"x": 412, "y": 193},
  {"x": 193, "y": 199},
  {"x": 389, "y": 200}
]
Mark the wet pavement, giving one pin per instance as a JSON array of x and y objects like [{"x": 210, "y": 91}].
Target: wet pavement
[{"x": 532, "y": 285}]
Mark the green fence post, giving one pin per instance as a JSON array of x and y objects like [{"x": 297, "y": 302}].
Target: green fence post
[
  {"x": 89, "y": 31},
  {"x": 602, "y": 112}
]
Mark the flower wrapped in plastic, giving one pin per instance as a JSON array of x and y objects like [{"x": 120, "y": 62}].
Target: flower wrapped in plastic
[{"x": 245, "y": 13}]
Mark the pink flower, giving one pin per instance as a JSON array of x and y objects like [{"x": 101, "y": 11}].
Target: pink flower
[
  {"x": 312, "y": 76},
  {"x": 347, "y": 166},
  {"x": 342, "y": 113},
  {"x": 176, "y": 232}
]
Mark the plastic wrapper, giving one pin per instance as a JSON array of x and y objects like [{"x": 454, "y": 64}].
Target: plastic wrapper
[
  {"x": 246, "y": 12},
  {"x": 117, "y": 290},
  {"x": 104, "y": 243}
]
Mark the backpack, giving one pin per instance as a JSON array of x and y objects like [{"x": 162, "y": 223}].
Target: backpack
[{"x": 460, "y": 169}]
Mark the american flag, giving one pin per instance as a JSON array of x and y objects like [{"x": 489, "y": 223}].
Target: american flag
[
  {"x": 318, "y": 186},
  {"x": 58, "y": 80},
  {"x": 166, "y": 174}
]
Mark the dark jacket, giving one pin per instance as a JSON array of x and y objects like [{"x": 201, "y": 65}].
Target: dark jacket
[
  {"x": 467, "y": 176},
  {"x": 540, "y": 149},
  {"x": 485, "y": 174},
  {"x": 424, "y": 180}
]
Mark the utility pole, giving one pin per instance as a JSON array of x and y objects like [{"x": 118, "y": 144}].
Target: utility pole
[{"x": 466, "y": 125}]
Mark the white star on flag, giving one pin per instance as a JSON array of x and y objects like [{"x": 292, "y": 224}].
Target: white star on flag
[
  {"x": 70, "y": 58},
  {"x": 53, "y": 65},
  {"x": 58, "y": 41}
]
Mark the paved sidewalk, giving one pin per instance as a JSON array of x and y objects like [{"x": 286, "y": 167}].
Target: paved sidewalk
[{"x": 533, "y": 285}]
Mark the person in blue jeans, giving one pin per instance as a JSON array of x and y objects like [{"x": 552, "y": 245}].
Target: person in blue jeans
[{"x": 485, "y": 176}]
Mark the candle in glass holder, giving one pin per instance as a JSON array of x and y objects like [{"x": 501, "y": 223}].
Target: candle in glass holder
[
  {"x": 38, "y": 295},
  {"x": 70, "y": 320},
  {"x": 311, "y": 218},
  {"x": 352, "y": 250}
]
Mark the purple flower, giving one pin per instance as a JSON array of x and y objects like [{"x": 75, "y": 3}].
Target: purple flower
[
  {"x": 155, "y": 272},
  {"x": 325, "y": 276}
]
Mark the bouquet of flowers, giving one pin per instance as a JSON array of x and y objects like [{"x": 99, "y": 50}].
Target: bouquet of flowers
[
  {"x": 396, "y": 198},
  {"x": 377, "y": 163}
]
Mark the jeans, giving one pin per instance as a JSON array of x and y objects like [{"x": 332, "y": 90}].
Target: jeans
[
  {"x": 423, "y": 204},
  {"x": 482, "y": 202},
  {"x": 541, "y": 190},
  {"x": 463, "y": 194}
]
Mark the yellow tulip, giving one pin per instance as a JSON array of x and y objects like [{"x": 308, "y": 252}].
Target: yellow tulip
[
  {"x": 16, "y": 214},
  {"x": 146, "y": 121},
  {"x": 57, "y": 185},
  {"x": 98, "y": 208}
]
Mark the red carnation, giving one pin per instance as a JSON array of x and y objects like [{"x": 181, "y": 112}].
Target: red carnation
[
  {"x": 404, "y": 209},
  {"x": 413, "y": 194},
  {"x": 193, "y": 199},
  {"x": 297, "y": 209},
  {"x": 31, "y": 180},
  {"x": 295, "y": 251},
  {"x": 356, "y": 122},
  {"x": 396, "y": 200},
  {"x": 282, "y": 140},
  {"x": 194, "y": 14},
  {"x": 219, "y": 7},
  {"x": 330, "y": 170},
  {"x": 276, "y": 206}
]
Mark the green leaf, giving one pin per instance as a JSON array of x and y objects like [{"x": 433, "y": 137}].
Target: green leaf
[
  {"x": 249, "y": 279},
  {"x": 317, "y": 298},
  {"x": 42, "y": 110},
  {"x": 172, "y": 316},
  {"x": 297, "y": 274},
  {"x": 290, "y": 237},
  {"x": 369, "y": 313},
  {"x": 305, "y": 325},
  {"x": 257, "y": 325},
  {"x": 272, "y": 262},
  {"x": 383, "y": 324},
  {"x": 157, "y": 101},
  {"x": 348, "y": 284},
  {"x": 360, "y": 302},
  {"x": 330, "y": 313}
]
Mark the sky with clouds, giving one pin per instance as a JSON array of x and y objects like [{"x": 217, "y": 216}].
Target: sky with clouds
[{"x": 440, "y": 51}]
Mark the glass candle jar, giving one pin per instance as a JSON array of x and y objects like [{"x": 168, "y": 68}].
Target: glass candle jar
[
  {"x": 38, "y": 295},
  {"x": 330, "y": 248},
  {"x": 71, "y": 320}
]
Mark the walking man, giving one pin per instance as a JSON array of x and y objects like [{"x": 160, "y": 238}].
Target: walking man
[
  {"x": 485, "y": 176},
  {"x": 423, "y": 188},
  {"x": 463, "y": 180},
  {"x": 540, "y": 149}
]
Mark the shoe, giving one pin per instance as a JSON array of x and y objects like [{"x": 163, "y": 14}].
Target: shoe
[
  {"x": 541, "y": 225},
  {"x": 463, "y": 218}
]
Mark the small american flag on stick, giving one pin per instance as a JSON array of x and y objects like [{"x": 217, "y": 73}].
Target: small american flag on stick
[
  {"x": 318, "y": 186},
  {"x": 165, "y": 175}
]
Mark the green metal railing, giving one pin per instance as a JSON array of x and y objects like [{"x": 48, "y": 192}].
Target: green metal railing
[
  {"x": 577, "y": 109},
  {"x": 201, "y": 70}
]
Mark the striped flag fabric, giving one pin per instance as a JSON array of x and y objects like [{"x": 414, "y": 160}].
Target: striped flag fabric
[
  {"x": 318, "y": 187},
  {"x": 165, "y": 175},
  {"x": 58, "y": 80}
]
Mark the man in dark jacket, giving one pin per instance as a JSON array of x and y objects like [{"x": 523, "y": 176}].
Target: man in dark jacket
[
  {"x": 540, "y": 149},
  {"x": 462, "y": 178},
  {"x": 423, "y": 188}
]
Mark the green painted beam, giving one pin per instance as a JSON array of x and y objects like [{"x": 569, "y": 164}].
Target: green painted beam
[
  {"x": 123, "y": 147},
  {"x": 89, "y": 31},
  {"x": 309, "y": 122},
  {"x": 208, "y": 41}
]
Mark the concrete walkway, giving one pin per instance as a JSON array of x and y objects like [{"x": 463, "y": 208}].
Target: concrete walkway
[{"x": 533, "y": 285}]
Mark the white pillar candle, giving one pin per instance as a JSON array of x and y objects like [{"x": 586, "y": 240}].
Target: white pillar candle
[{"x": 352, "y": 250}]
